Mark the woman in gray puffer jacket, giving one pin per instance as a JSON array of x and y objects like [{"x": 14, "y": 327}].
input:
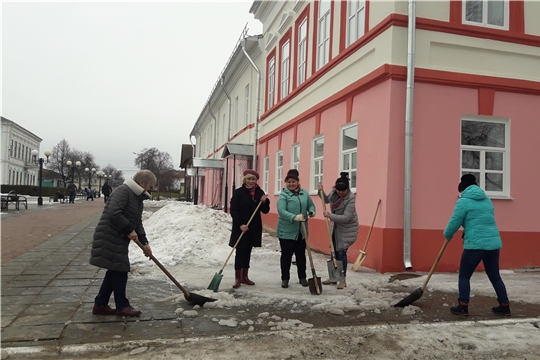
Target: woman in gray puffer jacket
[
  {"x": 344, "y": 221},
  {"x": 120, "y": 223}
]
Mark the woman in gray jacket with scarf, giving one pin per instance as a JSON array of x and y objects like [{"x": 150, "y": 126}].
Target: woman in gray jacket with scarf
[
  {"x": 120, "y": 223},
  {"x": 344, "y": 221}
]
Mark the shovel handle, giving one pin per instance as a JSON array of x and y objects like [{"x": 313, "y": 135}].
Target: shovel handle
[
  {"x": 240, "y": 237},
  {"x": 308, "y": 248},
  {"x": 435, "y": 265},
  {"x": 186, "y": 293},
  {"x": 321, "y": 195},
  {"x": 363, "y": 254}
]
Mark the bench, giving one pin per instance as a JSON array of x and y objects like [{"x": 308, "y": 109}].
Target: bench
[{"x": 13, "y": 198}]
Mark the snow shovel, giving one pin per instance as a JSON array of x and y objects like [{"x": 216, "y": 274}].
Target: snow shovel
[
  {"x": 216, "y": 280},
  {"x": 363, "y": 253},
  {"x": 335, "y": 267},
  {"x": 315, "y": 282},
  {"x": 191, "y": 297},
  {"x": 417, "y": 294}
]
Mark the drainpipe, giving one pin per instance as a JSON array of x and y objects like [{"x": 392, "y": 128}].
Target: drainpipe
[
  {"x": 228, "y": 137},
  {"x": 258, "y": 99},
  {"x": 411, "y": 46},
  {"x": 213, "y": 151},
  {"x": 194, "y": 181}
]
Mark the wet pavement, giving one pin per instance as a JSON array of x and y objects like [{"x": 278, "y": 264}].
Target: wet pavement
[{"x": 48, "y": 292}]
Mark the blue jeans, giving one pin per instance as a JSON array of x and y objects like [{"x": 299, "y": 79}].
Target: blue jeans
[
  {"x": 469, "y": 262},
  {"x": 113, "y": 282}
]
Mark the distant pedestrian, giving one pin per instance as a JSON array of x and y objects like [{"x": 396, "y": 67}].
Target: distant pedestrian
[
  {"x": 120, "y": 222},
  {"x": 481, "y": 242},
  {"x": 89, "y": 194},
  {"x": 106, "y": 190},
  {"x": 72, "y": 191}
]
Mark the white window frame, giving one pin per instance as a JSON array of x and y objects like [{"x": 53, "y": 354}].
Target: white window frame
[
  {"x": 355, "y": 15},
  {"x": 271, "y": 81},
  {"x": 323, "y": 35},
  {"x": 285, "y": 68},
  {"x": 295, "y": 164},
  {"x": 485, "y": 9},
  {"x": 302, "y": 53},
  {"x": 316, "y": 177},
  {"x": 266, "y": 174},
  {"x": 246, "y": 105},
  {"x": 482, "y": 171},
  {"x": 279, "y": 172},
  {"x": 349, "y": 153}
]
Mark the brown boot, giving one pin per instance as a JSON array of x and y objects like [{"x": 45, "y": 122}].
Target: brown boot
[
  {"x": 245, "y": 279},
  {"x": 238, "y": 277}
]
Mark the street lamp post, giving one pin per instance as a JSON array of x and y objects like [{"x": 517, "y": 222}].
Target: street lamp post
[
  {"x": 39, "y": 161},
  {"x": 90, "y": 172},
  {"x": 72, "y": 169},
  {"x": 78, "y": 164},
  {"x": 100, "y": 174}
]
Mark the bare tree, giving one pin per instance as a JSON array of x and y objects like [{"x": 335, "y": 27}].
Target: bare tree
[
  {"x": 59, "y": 158},
  {"x": 159, "y": 162},
  {"x": 117, "y": 176}
]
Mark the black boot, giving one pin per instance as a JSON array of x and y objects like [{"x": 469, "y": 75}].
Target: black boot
[
  {"x": 502, "y": 309},
  {"x": 245, "y": 279},
  {"x": 238, "y": 277},
  {"x": 462, "y": 309}
]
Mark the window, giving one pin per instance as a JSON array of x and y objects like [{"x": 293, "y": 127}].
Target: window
[
  {"x": 355, "y": 25},
  {"x": 271, "y": 81},
  {"x": 318, "y": 151},
  {"x": 279, "y": 171},
  {"x": 285, "y": 52},
  {"x": 349, "y": 151},
  {"x": 302, "y": 52},
  {"x": 295, "y": 157},
  {"x": 323, "y": 36},
  {"x": 485, "y": 153},
  {"x": 488, "y": 13},
  {"x": 246, "y": 106},
  {"x": 266, "y": 174},
  {"x": 225, "y": 130},
  {"x": 11, "y": 148}
]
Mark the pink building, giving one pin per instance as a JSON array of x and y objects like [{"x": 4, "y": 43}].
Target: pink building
[{"x": 406, "y": 97}]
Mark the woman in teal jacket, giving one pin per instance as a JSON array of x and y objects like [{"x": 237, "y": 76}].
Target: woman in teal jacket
[
  {"x": 294, "y": 205},
  {"x": 482, "y": 242}
]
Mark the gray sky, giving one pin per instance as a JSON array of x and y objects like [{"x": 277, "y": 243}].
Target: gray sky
[{"x": 115, "y": 78}]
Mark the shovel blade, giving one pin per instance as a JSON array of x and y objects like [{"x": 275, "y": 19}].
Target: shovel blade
[
  {"x": 216, "y": 280},
  {"x": 315, "y": 286},
  {"x": 415, "y": 295},
  {"x": 335, "y": 274},
  {"x": 198, "y": 299}
]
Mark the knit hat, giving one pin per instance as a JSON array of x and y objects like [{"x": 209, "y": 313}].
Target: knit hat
[
  {"x": 342, "y": 183},
  {"x": 292, "y": 174},
  {"x": 251, "y": 172},
  {"x": 466, "y": 181}
]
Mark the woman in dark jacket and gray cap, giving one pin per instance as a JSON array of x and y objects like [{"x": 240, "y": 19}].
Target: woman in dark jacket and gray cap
[{"x": 120, "y": 223}]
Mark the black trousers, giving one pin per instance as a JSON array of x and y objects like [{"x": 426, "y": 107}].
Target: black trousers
[
  {"x": 288, "y": 248},
  {"x": 242, "y": 258},
  {"x": 113, "y": 282}
]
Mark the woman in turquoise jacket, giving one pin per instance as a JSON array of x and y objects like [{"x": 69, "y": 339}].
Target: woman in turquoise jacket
[
  {"x": 482, "y": 242},
  {"x": 294, "y": 205}
]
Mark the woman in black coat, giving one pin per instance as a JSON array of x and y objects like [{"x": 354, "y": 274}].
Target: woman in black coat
[
  {"x": 243, "y": 204},
  {"x": 120, "y": 223}
]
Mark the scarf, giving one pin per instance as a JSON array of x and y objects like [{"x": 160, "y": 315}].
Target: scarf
[
  {"x": 336, "y": 204},
  {"x": 251, "y": 190}
]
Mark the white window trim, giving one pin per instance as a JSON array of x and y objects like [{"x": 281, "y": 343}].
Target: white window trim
[
  {"x": 266, "y": 174},
  {"x": 505, "y": 193},
  {"x": 285, "y": 70},
  {"x": 360, "y": 12},
  {"x": 350, "y": 151},
  {"x": 484, "y": 16},
  {"x": 271, "y": 81},
  {"x": 295, "y": 165},
  {"x": 302, "y": 56},
  {"x": 313, "y": 184},
  {"x": 246, "y": 105},
  {"x": 323, "y": 44},
  {"x": 279, "y": 173}
]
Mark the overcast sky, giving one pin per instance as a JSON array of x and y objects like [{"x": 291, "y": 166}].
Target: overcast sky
[{"x": 115, "y": 78}]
